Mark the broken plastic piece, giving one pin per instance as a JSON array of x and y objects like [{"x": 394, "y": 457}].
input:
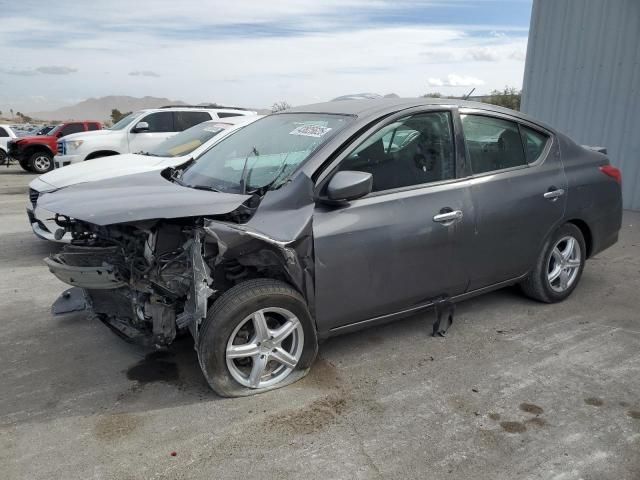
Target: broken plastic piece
[
  {"x": 445, "y": 309},
  {"x": 71, "y": 300}
]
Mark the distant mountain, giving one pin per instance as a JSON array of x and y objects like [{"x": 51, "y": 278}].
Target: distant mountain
[{"x": 100, "y": 108}]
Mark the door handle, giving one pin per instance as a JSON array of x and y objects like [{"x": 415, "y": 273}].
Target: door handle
[
  {"x": 447, "y": 218},
  {"x": 554, "y": 194}
]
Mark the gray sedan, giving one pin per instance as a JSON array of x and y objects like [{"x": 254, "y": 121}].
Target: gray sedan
[{"x": 329, "y": 218}]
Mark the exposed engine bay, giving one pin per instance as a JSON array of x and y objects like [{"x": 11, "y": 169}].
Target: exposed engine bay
[{"x": 150, "y": 280}]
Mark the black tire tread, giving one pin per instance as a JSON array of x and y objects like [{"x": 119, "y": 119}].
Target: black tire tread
[
  {"x": 533, "y": 286},
  {"x": 245, "y": 291}
]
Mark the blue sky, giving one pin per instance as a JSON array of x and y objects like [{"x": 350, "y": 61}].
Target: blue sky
[{"x": 254, "y": 53}]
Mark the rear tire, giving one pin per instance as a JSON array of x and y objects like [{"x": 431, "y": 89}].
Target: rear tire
[
  {"x": 257, "y": 336},
  {"x": 4, "y": 158},
  {"x": 559, "y": 266},
  {"x": 41, "y": 162}
]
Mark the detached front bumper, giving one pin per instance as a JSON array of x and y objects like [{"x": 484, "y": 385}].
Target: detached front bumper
[{"x": 60, "y": 161}]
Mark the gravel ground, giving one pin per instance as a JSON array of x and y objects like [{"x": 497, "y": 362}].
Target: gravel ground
[{"x": 517, "y": 390}]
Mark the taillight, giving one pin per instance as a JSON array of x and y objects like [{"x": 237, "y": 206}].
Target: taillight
[{"x": 613, "y": 172}]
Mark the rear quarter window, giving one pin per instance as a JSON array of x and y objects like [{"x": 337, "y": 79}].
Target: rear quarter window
[{"x": 534, "y": 143}]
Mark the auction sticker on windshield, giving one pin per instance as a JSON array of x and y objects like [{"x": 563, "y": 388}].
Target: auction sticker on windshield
[{"x": 316, "y": 131}]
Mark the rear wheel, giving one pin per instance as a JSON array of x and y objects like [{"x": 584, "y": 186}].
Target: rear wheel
[
  {"x": 559, "y": 266},
  {"x": 257, "y": 336},
  {"x": 4, "y": 158},
  {"x": 41, "y": 162}
]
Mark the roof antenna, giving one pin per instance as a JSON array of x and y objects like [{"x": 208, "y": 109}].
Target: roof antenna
[{"x": 469, "y": 94}]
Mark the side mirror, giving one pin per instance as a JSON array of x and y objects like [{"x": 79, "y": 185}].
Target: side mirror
[
  {"x": 59, "y": 134},
  {"x": 140, "y": 127},
  {"x": 349, "y": 185}
]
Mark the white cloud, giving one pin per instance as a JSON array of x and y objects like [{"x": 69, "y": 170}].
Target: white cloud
[
  {"x": 143, "y": 73},
  {"x": 454, "y": 80},
  {"x": 249, "y": 53},
  {"x": 56, "y": 70}
]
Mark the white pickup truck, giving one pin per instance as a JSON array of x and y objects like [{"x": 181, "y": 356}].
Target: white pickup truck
[
  {"x": 138, "y": 132},
  {"x": 6, "y": 134}
]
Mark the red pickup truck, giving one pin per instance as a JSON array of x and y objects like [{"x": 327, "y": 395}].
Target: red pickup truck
[{"x": 35, "y": 154}]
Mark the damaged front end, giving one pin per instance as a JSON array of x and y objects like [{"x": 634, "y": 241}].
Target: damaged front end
[
  {"x": 150, "y": 279},
  {"x": 145, "y": 281}
]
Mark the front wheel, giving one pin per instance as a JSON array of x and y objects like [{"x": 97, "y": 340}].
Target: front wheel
[
  {"x": 257, "y": 336},
  {"x": 41, "y": 162},
  {"x": 559, "y": 266},
  {"x": 4, "y": 158}
]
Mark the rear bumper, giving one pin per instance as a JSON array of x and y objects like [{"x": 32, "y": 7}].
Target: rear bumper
[{"x": 60, "y": 161}]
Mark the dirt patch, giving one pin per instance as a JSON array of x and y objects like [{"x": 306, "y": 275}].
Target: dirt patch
[
  {"x": 634, "y": 414},
  {"x": 594, "y": 401},
  {"x": 513, "y": 427},
  {"x": 494, "y": 416},
  {"x": 155, "y": 367},
  {"x": 323, "y": 374},
  {"x": 113, "y": 427},
  {"x": 316, "y": 416},
  {"x": 536, "y": 422},
  {"x": 531, "y": 408}
]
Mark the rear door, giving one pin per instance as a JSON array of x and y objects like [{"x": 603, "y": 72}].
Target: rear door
[
  {"x": 184, "y": 120},
  {"x": 393, "y": 250},
  {"x": 518, "y": 188},
  {"x": 161, "y": 127}
]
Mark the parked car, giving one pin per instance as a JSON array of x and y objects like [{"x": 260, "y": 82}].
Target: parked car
[
  {"x": 329, "y": 218},
  {"x": 44, "y": 130},
  {"x": 35, "y": 152},
  {"x": 6, "y": 134},
  {"x": 174, "y": 151},
  {"x": 139, "y": 132}
]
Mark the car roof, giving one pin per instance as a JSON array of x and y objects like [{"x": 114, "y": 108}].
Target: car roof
[{"x": 364, "y": 108}]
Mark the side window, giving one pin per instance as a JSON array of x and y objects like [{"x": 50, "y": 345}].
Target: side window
[
  {"x": 186, "y": 120},
  {"x": 93, "y": 126},
  {"x": 410, "y": 151},
  {"x": 159, "y": 122},
  {"x": 72, "y": 128},
  {"x": 492, "y": 143},
  {"x": 3, "y": 132},
  {"x": 228, "y": 114},
  {"x": 534, "y": 143}
]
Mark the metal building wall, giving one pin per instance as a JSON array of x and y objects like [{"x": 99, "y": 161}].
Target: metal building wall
[{"x": 582, "y": 76}]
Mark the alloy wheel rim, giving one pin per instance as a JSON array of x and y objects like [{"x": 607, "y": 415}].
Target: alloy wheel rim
[
  {"x": 564, "y": 264},
  {"x": 265, "y": 347},
  {"x": 42, "y": 162}
]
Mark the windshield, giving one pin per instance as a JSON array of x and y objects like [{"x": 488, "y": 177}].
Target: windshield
[
  {"x": 55, "y": 130},
  {"x": 124, "y": 121},
  {"x": 186, "y": 142},
  {"x": 264, "y": 153}
]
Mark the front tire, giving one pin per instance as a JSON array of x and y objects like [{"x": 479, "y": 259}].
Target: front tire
[
  {"x": 4, "y": 158},
  {"x": 41, "y": 162},
  {"x": 559, "y": 266},
  {"x": 257, "y": 336}
]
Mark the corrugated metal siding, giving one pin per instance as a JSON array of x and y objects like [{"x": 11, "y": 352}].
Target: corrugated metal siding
[{"x": 582, "y": 76}]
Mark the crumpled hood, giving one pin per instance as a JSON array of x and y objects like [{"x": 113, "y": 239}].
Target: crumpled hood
[
  {"x": 103, "y": 168},
  {"x": 137, "y": 197}
]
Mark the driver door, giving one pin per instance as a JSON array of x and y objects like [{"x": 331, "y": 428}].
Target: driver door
[{"x": 401, "y": 246}]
